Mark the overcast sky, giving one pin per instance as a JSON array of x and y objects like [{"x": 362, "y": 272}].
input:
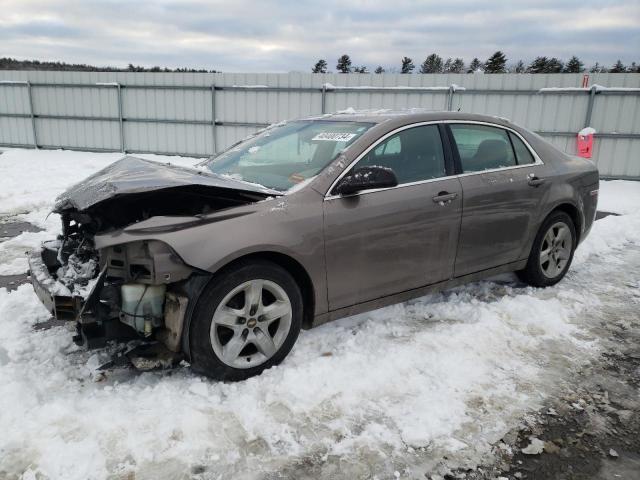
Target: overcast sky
[{"x": 281, "y": 36}]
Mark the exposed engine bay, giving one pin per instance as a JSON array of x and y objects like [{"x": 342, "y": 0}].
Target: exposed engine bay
[{"x": 139, "y": 290}]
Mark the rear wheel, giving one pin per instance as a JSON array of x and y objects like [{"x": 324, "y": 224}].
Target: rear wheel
[
  {"x": 552, "y": 251},
  {"x": 246, "y": 320}
]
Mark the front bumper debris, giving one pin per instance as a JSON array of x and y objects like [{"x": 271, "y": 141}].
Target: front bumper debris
[
  {"x": 76, "y": 283},
  {"x": 56, "y": 297}
]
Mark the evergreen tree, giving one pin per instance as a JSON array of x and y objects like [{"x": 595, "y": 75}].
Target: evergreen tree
[
  {"x": 634, "y": 68},
  {"x": 344, "y": 64},
  {"x": 597, "y": 68},
  {"x": 574, "y": 65},
  {"x": 446, "y": 68},
  {"x": 496, "y": 63},
  {"x": 433, "y": 64},
  {"x": 539, "y": 65},
  {"x": 554, "y": 66},
  {"x": 407, "y": 65},
  {"x": 320, "y": 67},
  {"x": 457, "y": 66},
  {"x": 361, "y": 69},
  {"x": 379, "y": 69},
  {"x": 474, "y": 65},
  {"x": 618, "y": 68}
]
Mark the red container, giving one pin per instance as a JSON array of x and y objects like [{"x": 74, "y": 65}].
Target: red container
[{"x": 585, "y": 142}]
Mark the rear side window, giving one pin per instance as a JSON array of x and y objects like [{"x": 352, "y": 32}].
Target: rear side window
[
  {"x": 523, "y": 154},
  {"x": 414, "y": 154},
  {"x": 482, "y": 147}
]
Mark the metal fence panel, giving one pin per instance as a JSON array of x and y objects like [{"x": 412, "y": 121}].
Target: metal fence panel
[
  {"x": 77, "y": 134},
  {"x": 175, "y": 112},
  {"x": 167, "y": 138},
  {"x": 15, "y": 131}
]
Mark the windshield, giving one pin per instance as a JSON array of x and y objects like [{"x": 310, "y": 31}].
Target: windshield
[{"x": 284, "y": 156}]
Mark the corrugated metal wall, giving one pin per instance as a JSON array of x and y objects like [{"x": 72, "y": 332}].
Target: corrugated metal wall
[{"x": 175, "y": 112}]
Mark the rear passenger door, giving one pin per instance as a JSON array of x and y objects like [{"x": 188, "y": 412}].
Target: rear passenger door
[{"x": 503, "y": 185}]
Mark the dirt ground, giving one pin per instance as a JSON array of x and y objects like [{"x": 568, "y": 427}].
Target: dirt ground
[{"x": 591, "y": 428}]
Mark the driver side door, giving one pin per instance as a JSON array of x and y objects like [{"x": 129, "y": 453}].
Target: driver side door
[{"x": 386, "y": 241}]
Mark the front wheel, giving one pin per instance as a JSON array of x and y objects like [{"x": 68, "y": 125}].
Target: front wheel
[
  {"x": 246, "y": 320},
  {"x": 552, "y": 251}
]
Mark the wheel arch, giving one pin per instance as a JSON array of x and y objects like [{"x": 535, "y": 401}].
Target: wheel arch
[
  {"x": 573, "y": 212},
  {"x": 295, "y": 269},
  {"x": 291, "y": 265}
]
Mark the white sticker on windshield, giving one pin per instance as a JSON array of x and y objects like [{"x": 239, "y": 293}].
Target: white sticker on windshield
[{"x": 334, "y": 136}]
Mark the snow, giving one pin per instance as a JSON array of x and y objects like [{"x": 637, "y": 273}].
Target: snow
[
  {"x": 598, "y": 88},
  {"x": 30, "y": 181},
  {"x": 372, "y": 112},
  {"x": 563, "y": 89},
  {"x": 348, "y": 111},
  {"x": 535, "y": 447},
  {"x": 587, "y": 131},
  {"x": 447, "y": 374},
  {"x": 619, "y": 196},
  {"x": 454, "y": 87}
]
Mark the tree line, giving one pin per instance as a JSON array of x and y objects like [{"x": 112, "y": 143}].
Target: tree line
[
  {"x": 496, "y": 63},
  {"x": 434, "y": 63},
  {"x": 7, "y": 63}
]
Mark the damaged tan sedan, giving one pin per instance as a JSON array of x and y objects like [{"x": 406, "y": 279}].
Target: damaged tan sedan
[{"x": 304, "y": 223}]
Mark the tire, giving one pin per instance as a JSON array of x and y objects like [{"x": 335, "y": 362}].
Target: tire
[
  {"x": 232, "y": 339},
  {"x": 541, "y": 273}
]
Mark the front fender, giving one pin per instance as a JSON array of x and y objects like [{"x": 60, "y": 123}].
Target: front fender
[{"x": 291, "y": 226}]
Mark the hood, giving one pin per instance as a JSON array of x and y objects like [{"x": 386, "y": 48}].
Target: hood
[{"x": 133, "y": 175}]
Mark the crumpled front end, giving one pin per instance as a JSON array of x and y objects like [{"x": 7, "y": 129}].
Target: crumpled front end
[
  {"x": 62, "y": 289},
  {"x": 139, "y": 289},
  {"x": 65, "y": 271},
  {"x": 124, "y": 292}
]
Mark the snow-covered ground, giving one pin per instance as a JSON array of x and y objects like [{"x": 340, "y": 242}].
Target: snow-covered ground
[{"x": 385, "y": 394}]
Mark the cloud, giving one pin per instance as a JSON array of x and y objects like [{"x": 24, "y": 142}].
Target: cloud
[{"x": 272, "y": 35}]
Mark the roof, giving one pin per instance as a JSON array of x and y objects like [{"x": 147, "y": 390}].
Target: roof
[{"x": 407, "y": 116}]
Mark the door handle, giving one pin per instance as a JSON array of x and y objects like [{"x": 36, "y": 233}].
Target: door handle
[
  {"x": 444, "y": 198},
  {"x": 534, "y": 181}
]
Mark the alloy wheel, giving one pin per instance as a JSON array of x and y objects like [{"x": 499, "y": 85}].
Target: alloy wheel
[
  {"x": 251, "y": 323},
  {"x": 555, "y": 250}
]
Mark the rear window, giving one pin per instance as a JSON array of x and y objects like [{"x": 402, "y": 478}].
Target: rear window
[{"x": 523, "y": 154}]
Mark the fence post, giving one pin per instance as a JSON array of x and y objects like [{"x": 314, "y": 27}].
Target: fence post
[
  {"x": 450, "y": 98},
  {"x": 123, "y": 148},
  {"x": 324, "y": 98},
  {"x": 592, "y": 97},
  {"x": 33, "y": 116},
  {"x": 213, "y": 117}
]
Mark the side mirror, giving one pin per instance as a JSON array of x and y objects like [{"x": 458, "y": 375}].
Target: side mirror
[{"x": 366, "y": 178}]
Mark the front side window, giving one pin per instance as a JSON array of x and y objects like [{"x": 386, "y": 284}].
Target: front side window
[
  {"x": 482, "y": 147},
  {"x": 414, "y": 154},
  {"x": 281, "y": 157}
]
